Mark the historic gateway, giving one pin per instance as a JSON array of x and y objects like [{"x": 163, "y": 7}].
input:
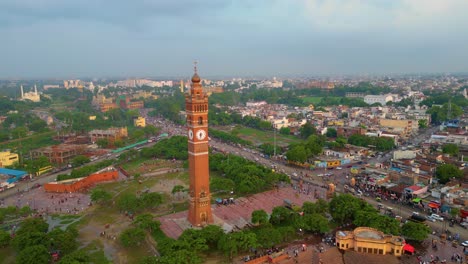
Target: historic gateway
[{"x": 196, "y": 105}]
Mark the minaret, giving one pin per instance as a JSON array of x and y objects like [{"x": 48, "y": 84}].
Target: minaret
[
  {"x": 182, "y": 86},
  {"x": 35, "y": 89},
  {"x": 22, "y": 92},
  {"x": 196, "y": 106}
]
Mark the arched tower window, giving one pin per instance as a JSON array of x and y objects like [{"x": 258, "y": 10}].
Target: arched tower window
[{"x": 200, "y": 120}]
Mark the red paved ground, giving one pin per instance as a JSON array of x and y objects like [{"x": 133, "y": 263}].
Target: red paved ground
[{"x": 238, "y": 215}]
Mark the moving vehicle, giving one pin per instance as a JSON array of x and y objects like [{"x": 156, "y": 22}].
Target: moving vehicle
[
  {"x": 438, "y": 217},
  {"x": 417, "y": 218},
  {"x": 465, "y": 243}
]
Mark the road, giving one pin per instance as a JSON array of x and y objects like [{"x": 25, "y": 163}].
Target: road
[{"x": 307, "y": 176}]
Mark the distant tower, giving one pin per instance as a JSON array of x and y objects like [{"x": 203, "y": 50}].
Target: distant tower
[
  {"x": 22, "y": 92},
  {"x": 35, "y": 89},
  {"x": 182, "y": 86},
  {"x": 465, "y": 94},
  {"x": 196, "y": 106}
]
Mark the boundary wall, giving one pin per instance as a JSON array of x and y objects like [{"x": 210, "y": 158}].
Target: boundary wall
[{"x": 83, "y": 183}]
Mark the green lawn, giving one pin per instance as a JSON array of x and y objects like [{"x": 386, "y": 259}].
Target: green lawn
[
  {"x": 259, "y": 137},
  {"x": 24, "y": 145},
  {"x": 7, "y": 256},
  {"x": 311, "y": 99}
]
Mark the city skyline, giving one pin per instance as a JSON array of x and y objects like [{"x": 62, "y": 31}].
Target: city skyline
[{"x": 57, "y": 39}]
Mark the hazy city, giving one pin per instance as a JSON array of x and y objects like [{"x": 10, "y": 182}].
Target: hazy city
[{"x": 210, "y": 131}]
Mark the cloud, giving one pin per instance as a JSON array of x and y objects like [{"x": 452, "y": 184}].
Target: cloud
[
  {"x": 119, "y": 12},
  {"x": 372, "y": 15}
]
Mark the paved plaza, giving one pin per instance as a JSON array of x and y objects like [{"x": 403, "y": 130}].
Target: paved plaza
[{"x": 237, "y": 216}]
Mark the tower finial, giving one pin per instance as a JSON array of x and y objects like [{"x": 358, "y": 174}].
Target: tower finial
[{"x": 195, "y": 69}]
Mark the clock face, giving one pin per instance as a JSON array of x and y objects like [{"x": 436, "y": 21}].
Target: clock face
[
  {"x": 201, "y": 134},
  {"x": 190, "y": 134}
]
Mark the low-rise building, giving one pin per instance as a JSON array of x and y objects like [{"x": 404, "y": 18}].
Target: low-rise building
[
  {"x": 7, "y": 158},
  {"x": 370, "y": 240},
  {"x": 139, "y": 122},
  {"x": 111, "y": 134},
  {"x": 59, "y": 154}
]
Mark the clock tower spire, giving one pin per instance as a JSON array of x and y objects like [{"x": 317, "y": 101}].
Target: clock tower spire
[{"x": 196, "y": 106}]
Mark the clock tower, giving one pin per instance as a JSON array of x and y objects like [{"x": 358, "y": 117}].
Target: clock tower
[{"x": 196, "y": 106}]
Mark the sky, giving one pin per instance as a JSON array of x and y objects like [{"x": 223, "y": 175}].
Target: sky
[{"x": 151, "y": 38}]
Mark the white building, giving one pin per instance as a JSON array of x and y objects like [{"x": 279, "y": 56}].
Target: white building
[
  {"x": 382, "y": 99},
  {"x": 32, "y": 96}
]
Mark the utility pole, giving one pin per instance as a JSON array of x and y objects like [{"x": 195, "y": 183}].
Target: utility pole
[{"x": 274, "y": 140}]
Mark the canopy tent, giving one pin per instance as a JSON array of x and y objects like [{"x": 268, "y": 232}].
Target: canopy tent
[
  {"x": 416, "y": 200},
  {"x": 408, "y": 248},
  {"x": 433, "y": 205}
]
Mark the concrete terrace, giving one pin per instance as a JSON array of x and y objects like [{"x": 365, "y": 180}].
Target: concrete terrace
[{"x": 237, "y": 216}]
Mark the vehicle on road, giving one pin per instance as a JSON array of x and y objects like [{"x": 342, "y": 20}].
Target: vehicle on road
[
  {"x": 438, "y": 217},
  {"x": 464, "y": 225},
  {"x": 417, "y": 218},
  {"x": 465, "y": 243},
  {"x": 430, "y": 218},
  {"x": 339, "y": 168}
]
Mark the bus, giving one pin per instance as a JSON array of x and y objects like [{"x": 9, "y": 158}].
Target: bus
[{"x": 44, "y": 170}]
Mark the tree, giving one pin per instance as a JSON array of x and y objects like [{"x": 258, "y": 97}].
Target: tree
[
  {"x": 35, "y": 254},
  {"x": 343, "y": 207},
  {"x": 132, "y": 237},
  {"x": 147, "y": 222},
  {"x": 178, "y": 189},
  {"x": 37, "y": 125},
  {"x": 102, "y": 143},
  {"x": 211, "y": 234},
  {"x": 315, "y": 144},
  {"x": 268, "y": 149},
  {"x": 232, "y": 243},
  {"x": 150, "y": 200},
  {"x": 33, "y": 225},
  {"x": 415, "y": 231},
  {"x": 331, "y": 132},
  {"x": 25, "y": 211},
  {"x": 221, "y": 185},
  {"x": 279, "y": 215},
  {"x": 65, "y": 241},
  {"x": 19, "y": 132},
  {"x": 80, "y": 160},
  {"x": 76, "y": 257},
  {"x": 24, "y": 240},
  {"x": 422, "y": 123},
  {"x": 454, "y": 212},
  {"x": 4, "y": 239},
  {"x": 297, "y": 153},
  {"x": 100, "y": 195},
  {"x": 128, "y": 202},
  {"x": 446, "y": 172},
  {"x": 151, "y": 130},
  {"x": 451, "y": 149},
  {"x": 316, "y": 223},
  {"x": 319, "y": 207},
  {"x": 268, "y": 236},
  {"x": 259, "y": 217},
  {"x": 307, "y": 130},
  {"x": 285, "y": 131}
]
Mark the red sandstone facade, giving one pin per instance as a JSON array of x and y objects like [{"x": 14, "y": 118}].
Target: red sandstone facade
[
  {"x": 70, "y": 186},
  {"x": 196, "y": 105}
]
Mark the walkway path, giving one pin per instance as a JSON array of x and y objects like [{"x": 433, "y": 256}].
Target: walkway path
[{"x": 237, "y": 216}]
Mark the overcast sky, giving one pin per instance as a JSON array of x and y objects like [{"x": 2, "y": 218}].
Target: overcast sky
[{"x": 138, "y": 38}]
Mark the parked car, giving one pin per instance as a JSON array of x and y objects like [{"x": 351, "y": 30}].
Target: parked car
[
  {"x": 465, "y": 243},
  {"x": 339, "y": 168},
  {"x": 430, "y": 218},
  {"x": 464, "y": 224},
  {"x": 438, "y": 217}
]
